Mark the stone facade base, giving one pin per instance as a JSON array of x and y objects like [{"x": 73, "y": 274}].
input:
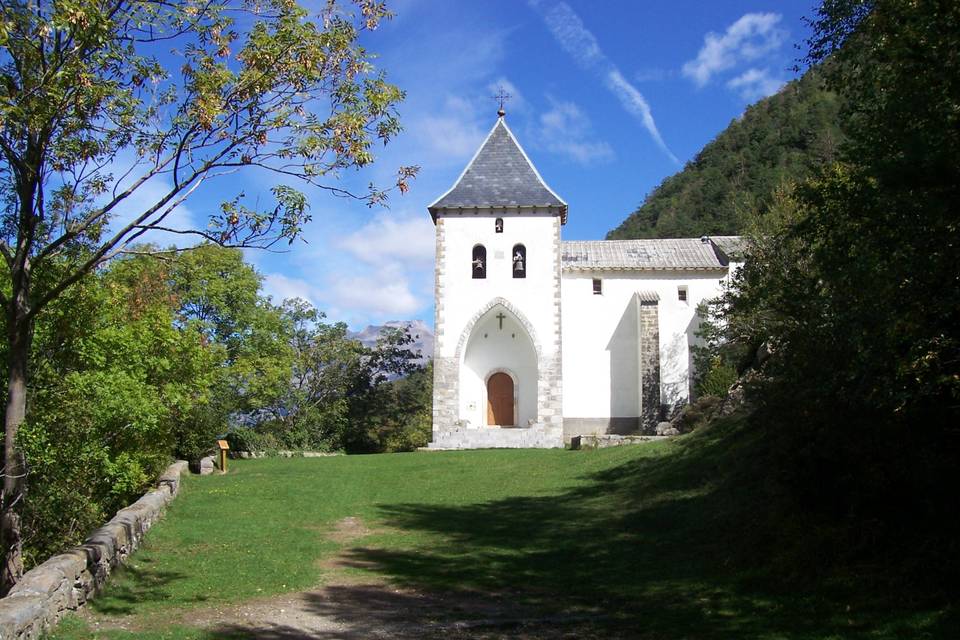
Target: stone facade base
[
  {"x": 535, "y": 437},
  {"x": 602, "y": 442},
  {"x": 599, "y": 426}
]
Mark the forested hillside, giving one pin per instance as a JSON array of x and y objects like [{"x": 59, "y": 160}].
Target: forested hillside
[{"x": 783, "y": 137}]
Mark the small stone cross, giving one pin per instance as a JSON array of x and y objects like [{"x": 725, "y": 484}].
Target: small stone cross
[{"x": 500, "y": 317}]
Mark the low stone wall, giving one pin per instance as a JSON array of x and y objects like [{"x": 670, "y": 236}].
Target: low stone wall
[
  {"x": 610, "y": 440},
  {"x": 66, "y": 581},
  {"x": 247, "y": 455}
]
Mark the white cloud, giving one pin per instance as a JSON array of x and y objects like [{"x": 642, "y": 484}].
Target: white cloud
[
  {"x": 571, "y": 34},
  {"x": 453, "y": 132},
  {"x": 566, "y": 130},
  {"x": 281, "y": 287},
  {"x": 391, "y": 237},
  {"x": 384, "y": 292},
  {"x": 752, "y": 36},
  {"x": 754, "y": 84}
]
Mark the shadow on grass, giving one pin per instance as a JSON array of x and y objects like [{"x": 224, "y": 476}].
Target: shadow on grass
[
  {"x": 375, "y": 611},
  {"x": 133, "y": 586},
  {"x": 671, "y": 546}
]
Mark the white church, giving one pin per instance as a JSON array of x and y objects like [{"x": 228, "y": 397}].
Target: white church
[{"x": 537, "y": 339}]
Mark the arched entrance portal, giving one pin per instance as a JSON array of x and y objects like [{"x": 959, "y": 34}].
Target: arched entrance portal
[
  {"x": 500, "y": 400},
  {"x": 498, "y": 371}
]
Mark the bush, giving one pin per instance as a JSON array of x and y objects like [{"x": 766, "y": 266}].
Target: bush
[
  {"x": 252, "y": 441},
  {"x": 718, "y": 379},
  {"x": 412, "y": 435},
  {"x": 697, "y": 414},
  {"x": 196, "y": 436}
]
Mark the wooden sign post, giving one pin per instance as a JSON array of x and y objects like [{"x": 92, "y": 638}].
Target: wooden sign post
[{"x": 223, "y": 447}]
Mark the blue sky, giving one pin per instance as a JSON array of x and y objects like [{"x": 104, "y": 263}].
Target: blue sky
[{"x": 609, "y": 98}]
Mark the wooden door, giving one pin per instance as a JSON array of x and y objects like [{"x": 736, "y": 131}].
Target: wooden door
[{"x": 500, "y": 400}]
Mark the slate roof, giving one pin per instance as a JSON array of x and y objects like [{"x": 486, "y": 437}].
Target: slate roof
[
  {"x": 733, "y": 246},
  {"x": 650, "y": 254},
  {"x": 500, "y": 175}
]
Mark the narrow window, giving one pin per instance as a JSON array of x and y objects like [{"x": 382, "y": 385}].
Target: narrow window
[
  {"x": 597, "y": 286},
  {"x": 682, "y": 294},
  {"x": 519, "y": 261},
  {"x": 479, "y": 263},
  {"x": 498, "y": 225}
]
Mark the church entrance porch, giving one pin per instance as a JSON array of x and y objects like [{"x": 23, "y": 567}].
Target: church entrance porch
[
  {"x": 495, "y": 383},
  {"x": 498, "y": 374},
  {"x": 500, "y": 400}
]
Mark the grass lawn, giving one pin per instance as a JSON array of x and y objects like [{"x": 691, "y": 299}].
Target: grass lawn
[{"x": 664, "y": 540}]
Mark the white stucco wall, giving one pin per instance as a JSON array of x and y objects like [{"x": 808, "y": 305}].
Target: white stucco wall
[
  {"x": 465, "y": 296},
  {"x": 599, "y": 337}
]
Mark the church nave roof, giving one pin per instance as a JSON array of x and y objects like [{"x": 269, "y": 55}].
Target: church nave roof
[{"x": 645, "y": 254}]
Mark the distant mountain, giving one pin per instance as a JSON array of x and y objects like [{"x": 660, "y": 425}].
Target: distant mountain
[
  {"x": 422, "y": 334},
  {"x": 783, "y": 137}
]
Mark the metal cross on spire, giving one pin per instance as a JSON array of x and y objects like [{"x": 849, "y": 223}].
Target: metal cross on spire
[{"x": 501, "y": 97}]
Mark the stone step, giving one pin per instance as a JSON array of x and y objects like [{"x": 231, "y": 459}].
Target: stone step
[{"x": 487, "y": 438}]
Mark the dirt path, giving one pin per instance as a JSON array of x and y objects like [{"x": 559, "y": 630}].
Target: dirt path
[
  {"x": 354, "y": 611},
  {"x": 349, "y": 610}
]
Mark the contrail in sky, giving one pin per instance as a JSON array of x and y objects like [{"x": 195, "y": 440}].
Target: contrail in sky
[{"x": 580, "y": 43}]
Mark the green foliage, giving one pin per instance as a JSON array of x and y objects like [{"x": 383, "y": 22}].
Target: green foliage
[
  {"x": 219, "y": 294},
  {"x": 343, "y": 396},
  {"x": 194, "y": 436},
  {"x": 700, "y": 413},
  {"x": 91, "y": 123},
  {"x": 783, "y": 138},
  {"x": 248, "y": 439},
  {"x": 246, "y": 94},
  {"x": 112, "y": 396},
  {"x": 853, "y": 277},
  {"x": 717, "y": 379},
  {"x": 398, "y": 414},
  {"x": 218, "y": 291},
  {"x": 717, "y": 359},
  {"x": 149, "y": 359}
]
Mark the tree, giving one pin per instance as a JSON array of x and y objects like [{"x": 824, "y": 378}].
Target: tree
[
  {"x": 856, "y": 283},
  {"x": 327, "y": 365},
  {"x": 87, "y": 85},
  {"x": 116, "y": 386},
  {"x": 220, "y": 294}
]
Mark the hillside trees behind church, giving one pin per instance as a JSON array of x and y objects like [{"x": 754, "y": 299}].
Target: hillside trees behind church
[
  {"x": 782, "y": 138},
  {"x": 343, "y": 395},
  {"x": 854, "y": 279}
]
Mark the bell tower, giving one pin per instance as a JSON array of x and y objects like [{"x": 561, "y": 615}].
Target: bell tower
[{"x": 497, "y": 351}]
